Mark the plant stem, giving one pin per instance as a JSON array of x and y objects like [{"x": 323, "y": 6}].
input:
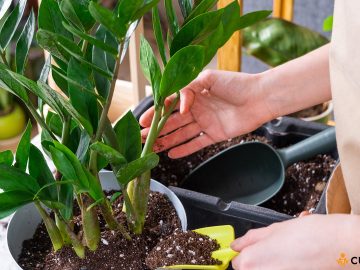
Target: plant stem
[
  {"x": 141, "y": 188},
  {"x": 91, "y": 226},
  {"x": 3, "y": 57},
  {"x": 39, "y": 120},
  {"x": 52, "y": 229},
  {"x": 167, "y": 114},
  {"x": 68, "y": 231},
  {"x": 66, "y": 131}
]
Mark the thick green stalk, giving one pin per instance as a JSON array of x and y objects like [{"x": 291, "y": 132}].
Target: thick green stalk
[
  {"x": 52, "y": 229},
  {"x": 141, "y": 188},
  {"x": 62, "y": 228},
  {"x": 91, "y": 226},
  {"x": 69, "y": 234},
  {"x": 3, "y": 57}
]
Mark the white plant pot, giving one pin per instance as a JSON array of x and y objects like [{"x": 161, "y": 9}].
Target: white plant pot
[{"x": 23, "y": 224}]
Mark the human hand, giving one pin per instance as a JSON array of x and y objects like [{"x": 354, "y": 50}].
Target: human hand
[
  {"x": 219, "y": 105},
  {"x": 310, "y": 242}
]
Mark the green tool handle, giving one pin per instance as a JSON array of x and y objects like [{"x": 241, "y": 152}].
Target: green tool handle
[{"x": 322, "y": 142}]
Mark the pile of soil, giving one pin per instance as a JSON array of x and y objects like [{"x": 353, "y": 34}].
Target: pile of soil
[
  {"x": 303, "y": 186},
  {"x": 114, "y": 252},
  {"x": 183, "y": 248},
  {"x": 310, "y": 112}
]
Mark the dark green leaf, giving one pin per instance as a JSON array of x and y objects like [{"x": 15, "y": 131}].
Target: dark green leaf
[
  {"x": 69, "y": 13},
  {"x": 81, "y": 9},
  {"x": 95, "y": 189},
  {"x": 109, "y": 153},
  {"x": 196, "y": 30},
  {"x": 185, "y": 6},
  {"x": 50, "y": 18},
  {"x": 150, "y": 67},
  {"x": 82, "y": 101},
  {"x": 23, "y": 149},
  {"x": 44, "y": 75},
  {"x": 6, "y": 157},
  {"x": 137, "y": 167},
  {"x": 66, "y": 197},
  {"x": 4, "y": 6},
  {"x": 127, "y": 9},
  {"x": 91, "y": 39},
  {"x": 127, "y": 130},
  {"x": 60, "y": 79},
  {"x": 83, "y": 146},
  {"x": 107, "y": 19},
  {"x": 10, "y": 201},
  {"x": 24, "y": 43},
  {"x": 12, "y": 179},
  {"x": 171, "y": 17},
  {"x": 9, "y": 84},
  {"x": 149, "y": 4},
  {"x": 182, "y": 68},
  {"x": 203, "y": 7},
  {"x": 252, "y": 17},
  {"x": 158, "y": 34},
  {"x": 39, "y": 169},
  {"x": 10, "y": 25}
]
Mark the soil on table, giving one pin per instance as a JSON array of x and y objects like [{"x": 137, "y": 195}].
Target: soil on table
[
  {"x": 114, "y": 252},
  {"x": 183, "y": 248},
  {"x": 303, "y": 186},
  {"x": 310, "y": 112}
]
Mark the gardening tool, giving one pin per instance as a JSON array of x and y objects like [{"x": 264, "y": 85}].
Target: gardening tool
[
  {"x": 253, "y": 172},
  {"x": 224, "y": 235}
]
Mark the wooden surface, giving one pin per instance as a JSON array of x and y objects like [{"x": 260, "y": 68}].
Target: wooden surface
[
  {"x": 229, "y": 56},
  {"x": 284, "y": 9}
]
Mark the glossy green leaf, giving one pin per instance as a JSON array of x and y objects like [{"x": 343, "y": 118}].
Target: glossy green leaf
[
  {"x": 6, "y": 157},
  {"x": 115, "y": 196},
  {"x": 83, "y": 147},
  {"x": 69, "y": 13},
  {"x": 39, "y": 169},
  {"x": 10, "y": 25},
  {"x": 70, "y": 109},
  {"x": 82, "y": 101},
  {"x": 185, "y": 6},
  {"x": 137, "y": 167},
  {"x": 12, "y": 178},
  {"x": 4, "y": 6},
  {"x": 91, "y": 39},
  {"x": 10, "y": 201},
  {"x": 196, "y": 30},
  {"x": 45, "y": 71},
  {"x": 109, "y": 153},
  {"x": 24, "y": 43},
  {"x": 150, "y": 67},
  {"x": 276, "y": 41},
  {"x": 171, "y": 17},
  {"x": 127, "y": 9},
  {"x": 148, "y": 5},
  {"x": 159, "y": 34},
  {"x": 181, "y": 69},
  {"x": 50, "y": 18},
  {"x": 81, "y": 9},
  {"x": 66, "y": 197},
  {"x": 251, "y": 18},
  {"x": 23, "y": 149},
  {"x": 108, "y": 19},
  {"x": 9, "y": 84},
  {"x": 95, "y": 189},
  {"x": 201, "y": 8},
  {"x": 127, "y": 130}
]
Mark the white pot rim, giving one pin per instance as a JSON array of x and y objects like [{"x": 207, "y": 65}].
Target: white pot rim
[{"x": 329, "y": 109}]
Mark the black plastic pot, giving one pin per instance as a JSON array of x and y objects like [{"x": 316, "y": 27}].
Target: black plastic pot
[{"x": 204, "y": 210}]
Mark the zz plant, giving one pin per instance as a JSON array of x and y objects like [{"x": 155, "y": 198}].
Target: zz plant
[{"x": 86, "y": 44}]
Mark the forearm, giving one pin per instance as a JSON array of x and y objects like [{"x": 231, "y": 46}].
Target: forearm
[{"x": 298, "y": 84}]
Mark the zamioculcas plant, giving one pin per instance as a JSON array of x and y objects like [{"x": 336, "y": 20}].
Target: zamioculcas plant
[{"x": 86, "y": 44}]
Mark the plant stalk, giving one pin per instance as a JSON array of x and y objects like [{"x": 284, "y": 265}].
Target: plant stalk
[
  {"x": 52, "y": 229},
  {"x": 141, "y": 188},
  {"x": 91, "y": 226}
]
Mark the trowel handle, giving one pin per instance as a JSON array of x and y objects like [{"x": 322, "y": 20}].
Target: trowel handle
[{"x": 322, "y": 142}]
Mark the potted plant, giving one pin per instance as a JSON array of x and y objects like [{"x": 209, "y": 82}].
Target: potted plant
[
  {"x": 276, "y": 41},
  {"x": 87, "y": 43}
]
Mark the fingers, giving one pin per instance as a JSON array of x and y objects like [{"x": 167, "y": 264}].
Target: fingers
[
  {"x": 250, "y": 238},
  {"x": 177, "y": 137},
  {"x": 175, "y": 121},
  {"x": 246, "y": 260},
  {"x": 190, "y": 147},
  {"x": 146, "y": 117}
]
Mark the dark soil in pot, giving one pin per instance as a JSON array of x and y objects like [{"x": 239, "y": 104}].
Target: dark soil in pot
[
  {"x": 183, "y": 248},
  {"x": 114, "y": 252},
  {"x": 304, "y": 183}
]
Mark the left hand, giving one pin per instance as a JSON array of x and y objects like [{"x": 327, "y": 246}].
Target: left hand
[{"x": 310, "y": 242}]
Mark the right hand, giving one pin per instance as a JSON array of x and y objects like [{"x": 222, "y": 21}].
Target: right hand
[{"x": 218, "y": 104}]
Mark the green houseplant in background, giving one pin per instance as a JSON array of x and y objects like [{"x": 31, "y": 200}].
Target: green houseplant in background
[
  {"x": 12, "y": 116},
  {"x": 87, "y": 43},
  {"x": 276, "y": 41}
]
